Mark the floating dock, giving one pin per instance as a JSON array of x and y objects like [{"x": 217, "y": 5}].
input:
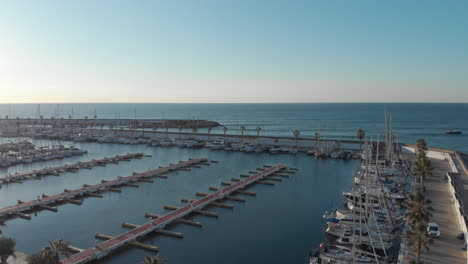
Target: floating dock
[
  {"x": 158, "y": 223},
  {"x": 74, "y": 196},
  {"x": 37, "y": 174}
]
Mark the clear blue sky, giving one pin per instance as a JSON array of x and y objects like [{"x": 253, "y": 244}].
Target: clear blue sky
[{"x": 233, "y": 51}]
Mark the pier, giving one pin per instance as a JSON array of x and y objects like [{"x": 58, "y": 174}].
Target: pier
[
  {"x": 158, "y": 223},
  {"x": 37, "y": 174},
  {"x": 74, "y": 196}
]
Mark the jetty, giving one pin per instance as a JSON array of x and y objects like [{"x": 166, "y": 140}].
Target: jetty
[
  {"x": 75, "y": 196},
  {"x": 158, "y": 223},
  {"x": 37, "y": 174}
]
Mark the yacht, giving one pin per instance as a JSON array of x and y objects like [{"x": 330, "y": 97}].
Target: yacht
[{"x": 453, "y": 132}]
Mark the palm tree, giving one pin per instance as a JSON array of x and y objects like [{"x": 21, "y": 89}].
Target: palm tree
[
  {"x": 417, "y": 208},
  {"x": 225, "y": 129},
  {"x": 296, "y": 134},
  {"x": 317, "y": 137},
  {"x": 242, "y": 128},
  {"x": 151, "y": 260},
  {"x": 417, "y": 236},
  {"x": 422, "y": 168},
  {"x": 421, "y": 144},
  {"x": 360, "y": 134},
  {"x": 7, "y": 248},
  {"x": 258, "y": 129},
  {"x": 56, "y": 249},
  {"x": 18, "y": 126}
]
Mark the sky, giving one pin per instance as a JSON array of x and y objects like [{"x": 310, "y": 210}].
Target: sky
[{"x": 239, "y": 51}]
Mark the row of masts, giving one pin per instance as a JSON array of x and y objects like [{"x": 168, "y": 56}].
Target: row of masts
[{"x": 367, "y": 230}]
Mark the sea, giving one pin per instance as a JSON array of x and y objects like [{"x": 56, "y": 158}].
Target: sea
[{"x": 279, "y": 225}]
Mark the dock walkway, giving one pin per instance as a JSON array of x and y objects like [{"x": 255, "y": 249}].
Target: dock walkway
[
  {"x": 36, "y": 174},
  {"x": 92, "y": 190},
  {"x": 448, "y": 248},
  {"x": 103, "y": 249}
]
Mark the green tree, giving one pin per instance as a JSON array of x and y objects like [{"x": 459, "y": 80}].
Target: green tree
[
  {"x": 360, "y": 134},
  {"x": 296, "y": 135},
  {"x": 422, "y": 168},
  {"x": 417, "y": 209},
  {"x": 421, "y": 144},
  {"x": 242, "y": 128},
  {"x": 56, "y": 249},
  {"x": 258, "y": 129},
  {"x": 7, "y": 248},
  {"x": 417, "y": 236}
]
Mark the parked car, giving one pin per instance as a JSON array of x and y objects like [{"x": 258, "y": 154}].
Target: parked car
[{"x": 433, "y": 230}]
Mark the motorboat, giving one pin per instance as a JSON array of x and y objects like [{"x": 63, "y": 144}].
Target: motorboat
[
  {"x": 166, "y": 142},
  {"x": 215, "y": 145},
  {"x": 259, "y": 149},
  {"x": 275, "y": 150},
  {"x": 107, "y": 139},
  {"x": 248, "y": 148},
  {"x": 194, "y": 144},
  {"x": 453, "y": 132}
]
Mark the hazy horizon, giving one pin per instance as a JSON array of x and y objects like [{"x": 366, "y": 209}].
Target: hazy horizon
[{"x": 233, "y": 52}]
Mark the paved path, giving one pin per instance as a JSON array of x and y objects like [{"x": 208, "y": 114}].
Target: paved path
[
  {"x": 20, "y": 258},
  {"x": 447, "y": 248}
]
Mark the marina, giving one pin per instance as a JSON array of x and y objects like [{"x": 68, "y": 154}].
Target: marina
[
  {"x": 25, "y": 152},
  {"x": 384, "y": 243},
  {"x": 372, "y": 244},
  {"x": 155, "y": 225},
  {"x": 233, "y": 132},
  {"x": 74, "y": 196},
  {"x": 55, "y": 171},
  {"x": 317, "y": 147}
]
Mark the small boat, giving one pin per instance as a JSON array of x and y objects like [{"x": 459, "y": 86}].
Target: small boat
[
  {"x": 453, "y": 132},
  {"x": 166, "y": 142},
  {"x": 248, "y": 148},
  {"x": 275, "y": 150}
]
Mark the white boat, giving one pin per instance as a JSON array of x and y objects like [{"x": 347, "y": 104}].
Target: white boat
[
  {"x": 335, "y": 155},
  {"x": 215, "y": 145},
  {"x": 342, "y": 255},
  {"x": 293, "y": 151},
  {"x": 107, "y": 139},
  {"x": 248, "y": 148},
  {"x": 166, "y": 142},
  {"x": 376, "y": 243},
  {"x": 194, "y": 144},
  {"x": 259, "y": 149},
  {"x": 340, "y": 230},
  {"x": 275, "y": 150}
]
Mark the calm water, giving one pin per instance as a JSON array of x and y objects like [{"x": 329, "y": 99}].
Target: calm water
[
  {"x": 341, "y": 121},
  {"x": 280, "y": 225}
]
